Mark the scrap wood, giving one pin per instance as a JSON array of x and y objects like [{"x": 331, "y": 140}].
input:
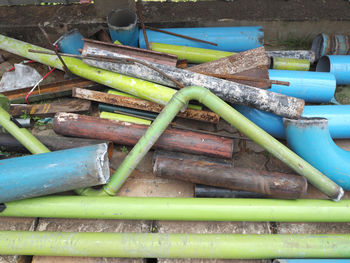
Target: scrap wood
[{"x": 50, "y": 109}]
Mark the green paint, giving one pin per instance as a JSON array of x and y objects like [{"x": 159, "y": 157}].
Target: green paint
[
  {"x": 191, "y": 54},
  {"x": 153, "y": 245},
  {"x": 125, "y": 118},
  {"x": 290, "y": 64},
  {"x": 192, "y": 209}
]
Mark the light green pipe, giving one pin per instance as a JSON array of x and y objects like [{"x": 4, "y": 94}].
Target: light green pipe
[
  {"x": 21, "y": 134},
  {"x": 152, "y": 245},
  {"x": 140, "y": 88},
  {"x": 191, "y": 54},
  {"x": 125, "y": 118},
  {"x": 204, "y": 96},
  {"x": 290, "y": 64},
  {"x": 191, "y": 209}
]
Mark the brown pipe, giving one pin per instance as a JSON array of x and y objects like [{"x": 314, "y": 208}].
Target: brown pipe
[
  {"x": 128, "y": 134},
  {"x": 208, "y": 172}
]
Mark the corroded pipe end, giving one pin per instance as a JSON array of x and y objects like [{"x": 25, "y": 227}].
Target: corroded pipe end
[{"x": 306, "y": 122}]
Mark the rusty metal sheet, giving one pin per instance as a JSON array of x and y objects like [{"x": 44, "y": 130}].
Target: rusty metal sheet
[
  {"x": 148, "y": 55},
  {"x": 199, "y": 115}
]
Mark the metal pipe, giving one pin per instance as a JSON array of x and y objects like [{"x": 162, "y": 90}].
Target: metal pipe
[
  {"x": 206, "y": 191},
  {"x": 290, "y": 64},
  {"x": 54, "y": 172},
  {"x": 128, "y": 111},
  {"x": 25, "y": 123},
  {"x": 209, "y": 172},
  {"x": 180, "y": 209},
  {"x": 315, "y": 87},
  {"x": 338, "y": 119},
  {"x": 140, "y": 88},
  {"x": 128, "y": 134},
  {"x": 227, "y": 38},
  {"x": 337, "y": 65},
  {"x": 233, "y": 117},
  {"x": 153, "y": 245},
  {"x": 227, "y": 90},
  {"x": 311, "y": 140}
]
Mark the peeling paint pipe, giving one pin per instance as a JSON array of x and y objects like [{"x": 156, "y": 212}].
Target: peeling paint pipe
[
  {"x": 338, "y": 119},
  {"x": 228, "y": 38},
  {"x": 310, "y": 139},
  {"x": 217, "y": 105},
  {"x": 227, "y": 90},
  {"x": 337, "y": 65},
  {"x": 315, "y": 87},
  {"x": 324, "y": 44},
  {"x": 290, "y": 64},
  {"x": 54, "y": 172},
  {"x": 202, "y": 55}
]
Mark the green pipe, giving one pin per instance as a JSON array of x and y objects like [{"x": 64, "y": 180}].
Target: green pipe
[
  {"x": 153, "y": 245},
  {"x": 204, "y": 96},
  {"x": 191, "y": 54},
  {"x": 140, "y": 88},
  {"x": 125, "y": 118},
  {"x": 21, "y": 134},
  {"x": 290, "y": 64},
  {"x": 191, "y": 209}
]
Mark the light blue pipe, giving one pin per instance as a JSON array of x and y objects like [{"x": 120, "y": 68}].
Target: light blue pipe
[
  {"x": 311, "y": 261},
  {"x": 339, "y": 65},
  {"x": 234, "y": 39},
  {"x": 53, "y": 172},
  {"x": 310, "y": 139},
  {"x": 338, "y": 117},
  {"x": 313, "y": 87},
  {"x": 70, "y": 42}
]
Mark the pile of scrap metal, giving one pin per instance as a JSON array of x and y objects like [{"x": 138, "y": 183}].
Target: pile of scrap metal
[{"x": 137, "y": 110}]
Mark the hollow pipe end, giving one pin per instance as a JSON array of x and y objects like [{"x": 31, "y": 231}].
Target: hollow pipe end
[{"x": 340, "y": 195}]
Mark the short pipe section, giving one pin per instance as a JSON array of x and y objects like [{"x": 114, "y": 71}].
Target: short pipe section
[
  {"x": 338, "y": 65},
  {"x": 311, "y": 140}
]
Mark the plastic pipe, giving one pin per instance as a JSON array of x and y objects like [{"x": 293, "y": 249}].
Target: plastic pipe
[
  {"x": 48, "y": 173},
  {"x": 311, "y": 261},
  {"x": 311, "y": 140},
  {"x": 228, "y": 38},
  {"x": 217, "y": 105},
  {"x": 115, "y": 109},
  {"x": 315, "y": 87},
  {"x": 123, "y": 117},
  {"x": 70, "y": 42},
  {"x": 324, "y": 44},
  {"x": 122, "y": 24},
  {"x": 140, "y": 88},
  {"x": 169, "y": 208},
  {"x": 290, "y": 64},
  {"x": 337, "y": 65},
  {"x": 338, "y": 119}
]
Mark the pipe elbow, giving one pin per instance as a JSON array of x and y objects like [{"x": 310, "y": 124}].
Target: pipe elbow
[{"x": 310, "y": 139}]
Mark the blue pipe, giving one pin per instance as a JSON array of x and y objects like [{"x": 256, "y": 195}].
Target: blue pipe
[
  {"x": 339, "y": 65},
  {"x": 338, "y": 117},
  {"x": 313, "y": 87},
  {"x": 310, "y": 139},
  {"x": 70, "y": 42},
  {"x": 234, "y": 39},
  {"x": 53, "y": 172},
  {"x": 311, "y": 261}
]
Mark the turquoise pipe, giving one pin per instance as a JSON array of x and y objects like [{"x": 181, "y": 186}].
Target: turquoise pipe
[
  {"x": 339, "y": 65},
  {"x": 191, "y": 209},
  {"x": 204, "y": 96},
  {"x": 140, "y": 88},
  {"x": 153, "y": 245}
]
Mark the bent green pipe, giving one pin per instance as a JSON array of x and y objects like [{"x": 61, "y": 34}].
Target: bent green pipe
[
  {"x": 153, "y": 245},
  {"x": 140, "y": 88},
  {"x": 191, "y": 209},
  {"x": 204, "y": 96}
]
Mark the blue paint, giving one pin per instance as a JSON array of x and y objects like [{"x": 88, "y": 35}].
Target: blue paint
[
  {"x": 70, "y": 42},
  {"x": 339, "y": 65},
  {"x": 122, "y": 24},
  {"x": 234, "y": 39},
  {"x": 53, "y": 172},
  {"x": 338, "y": 117},
  {"x": 310, "y": 139},
  {"x": 311, "y": 261},
  {"x": 315, "y": 87}
]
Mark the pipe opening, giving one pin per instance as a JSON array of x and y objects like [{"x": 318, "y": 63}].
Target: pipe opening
[
  {"x": 122, "y": 18},
  {"x": 324, "y": 64},
  {"x": 317, "y": 45}
]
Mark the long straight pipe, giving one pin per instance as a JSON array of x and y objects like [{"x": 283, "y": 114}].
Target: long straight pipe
[
  {"x": 233, "y": 117},
  {"x": 153, "y": 245},
  {"x": 191, "y": 209}
]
